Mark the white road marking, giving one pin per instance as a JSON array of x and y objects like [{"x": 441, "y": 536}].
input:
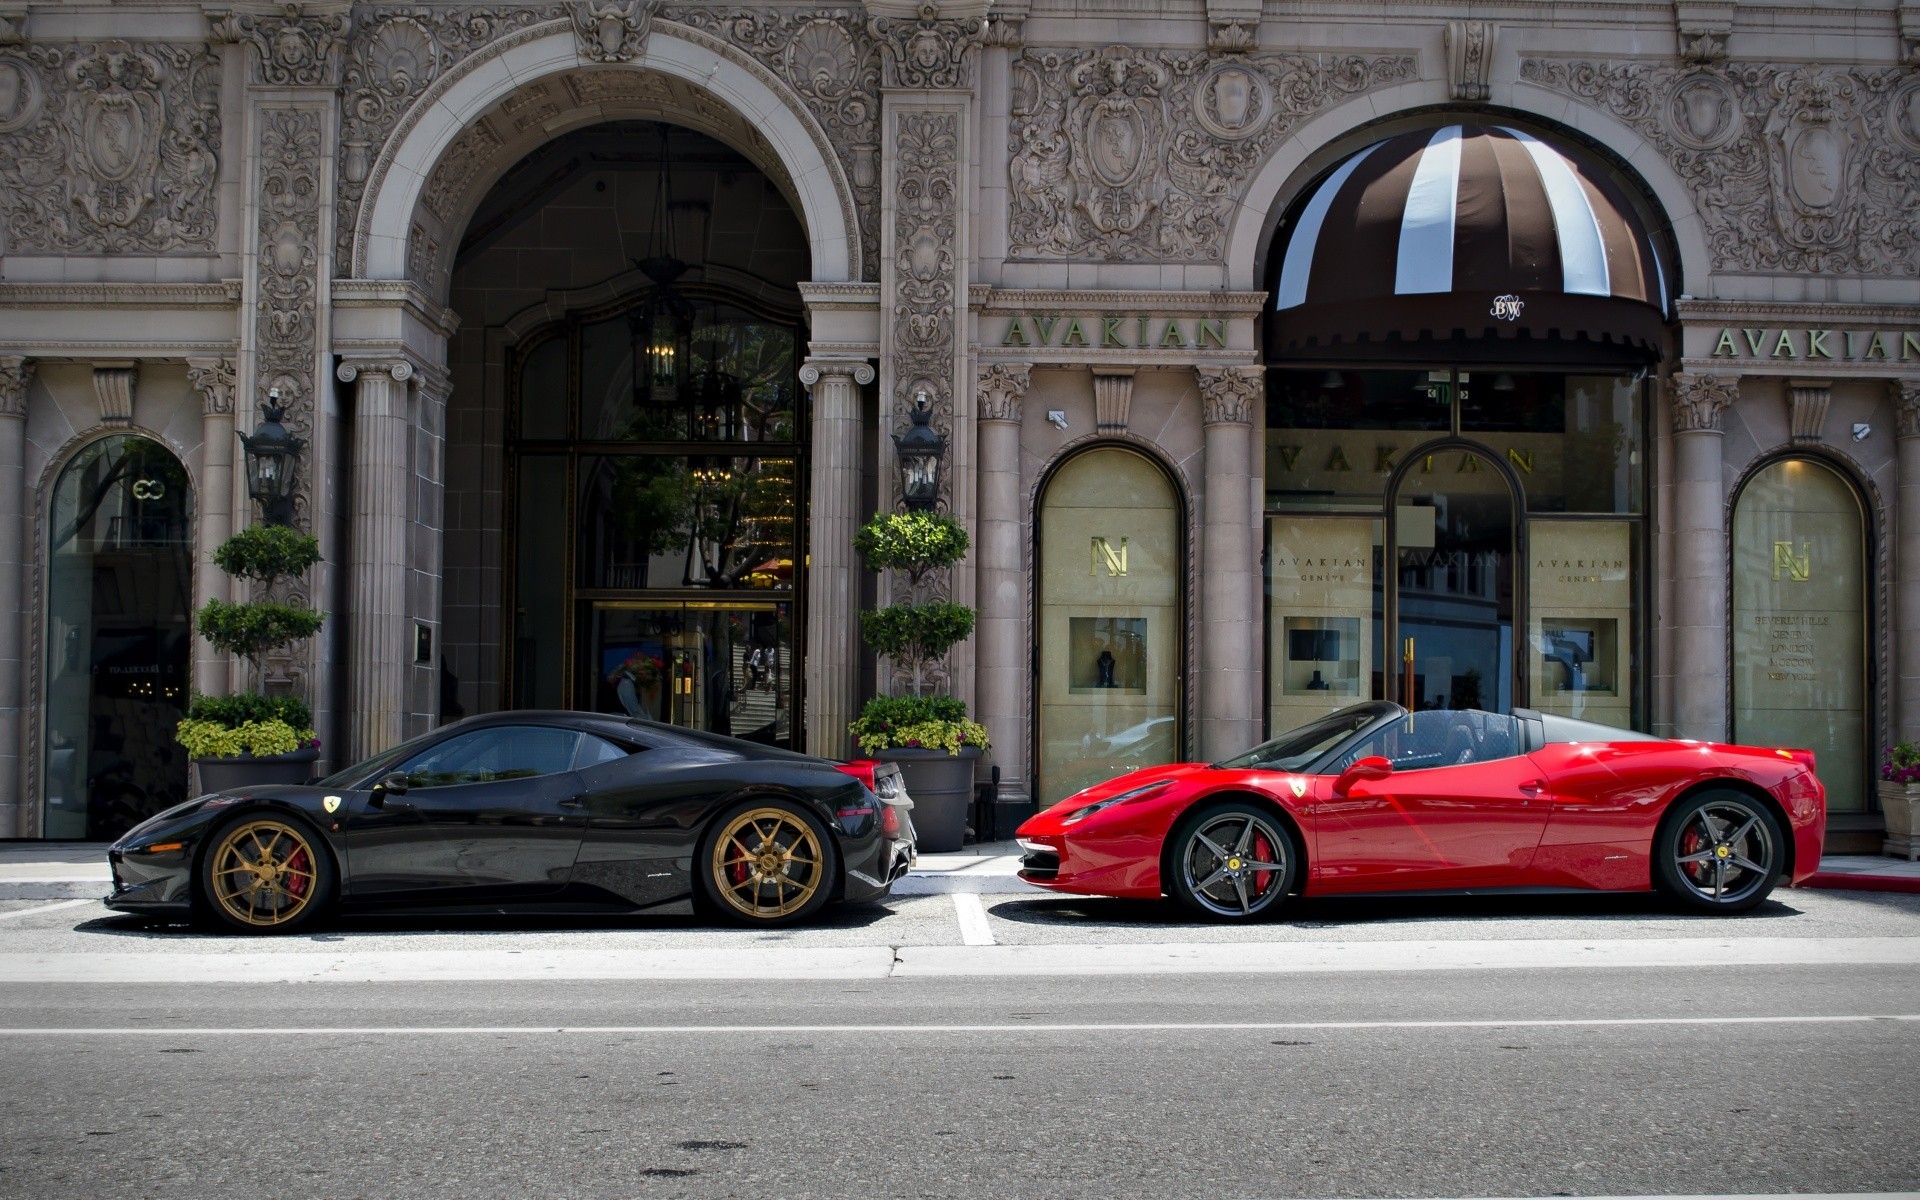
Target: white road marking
[
  {"x": 47, "y": 908},
  {"x": 610, "y": 960},
  {"x": 1015, "y": 1027},
  {"x": 974, "y": 930}
]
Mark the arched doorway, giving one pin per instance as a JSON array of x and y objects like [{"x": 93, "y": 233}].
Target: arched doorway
[
  {"x": 627, "y": 460},
  {"x": 1799, "y": 621},
  {"x": 1111, "y": 624},
  {"x": 119, "y": 637}
]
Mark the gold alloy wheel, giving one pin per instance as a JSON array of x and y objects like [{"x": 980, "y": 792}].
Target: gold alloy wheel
[
  {"x": 768, "y": 863},
  {"x": 263, "y": 872}
]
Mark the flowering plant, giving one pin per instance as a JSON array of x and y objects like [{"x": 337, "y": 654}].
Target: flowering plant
[{"x": 1901, "y": 763}]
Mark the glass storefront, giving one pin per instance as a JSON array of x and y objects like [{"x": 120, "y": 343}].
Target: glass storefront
[
  {"x": 1511, "y": 503},
  {"x": 657, "y": 481},
  {"x": 1111, "y": 617},
  {"x": 119, "y": 638},
  {"x": 1799, "y": 622}
]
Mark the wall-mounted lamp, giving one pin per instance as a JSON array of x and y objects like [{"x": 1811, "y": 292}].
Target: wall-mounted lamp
[
  {"x": 272, "y": 455},
  {"x": 1058, "y": 416},
  {"x": 920, "y": 448}
]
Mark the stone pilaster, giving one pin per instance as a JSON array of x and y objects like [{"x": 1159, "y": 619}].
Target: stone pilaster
[
  {"x": 214, "y": 378},
  {"x": 1229, "y": 676},
  {"x": 15, "y": 374},
  {"x": 379, "y": 648},
  {"x": 1699, "y": 622},
  {"x": 1004, "y": 671},
  {"x": 426, "y": 550},
  {"x": 833, "y": 579},
  {"x": 1906, "y": 562}
]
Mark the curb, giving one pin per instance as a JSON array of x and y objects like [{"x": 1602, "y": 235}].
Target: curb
[
  {"x": 56, "y": 889},
  {"x": 1847, "y": 882},
  {"x": 980, "y": 885}
]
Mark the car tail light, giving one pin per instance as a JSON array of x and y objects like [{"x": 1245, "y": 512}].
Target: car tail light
[
  {"x": 862, "y": 769},
  {"x": 890, "y": 820}
]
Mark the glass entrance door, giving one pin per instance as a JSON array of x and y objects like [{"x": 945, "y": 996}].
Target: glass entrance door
[
  {"x": 725, "y": 667},
  {"x": 1447, "y": 607}
]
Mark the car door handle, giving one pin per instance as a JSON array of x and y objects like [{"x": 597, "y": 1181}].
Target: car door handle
[
  {"x": 1533, "y": 787},
  {"x": 574, "y": 802}
]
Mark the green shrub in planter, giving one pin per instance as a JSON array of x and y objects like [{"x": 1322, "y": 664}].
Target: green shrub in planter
[{"x": 916, "y": 723}]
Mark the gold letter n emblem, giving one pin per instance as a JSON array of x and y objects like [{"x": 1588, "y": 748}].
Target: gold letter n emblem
[
  {"x": 1799, "y": 568},
  {"x": 1103, "y": 553}
]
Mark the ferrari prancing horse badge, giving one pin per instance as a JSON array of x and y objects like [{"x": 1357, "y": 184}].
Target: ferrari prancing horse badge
[
  {"x": 331, "y": 804},
  {"x": 1299, "y": 787}
]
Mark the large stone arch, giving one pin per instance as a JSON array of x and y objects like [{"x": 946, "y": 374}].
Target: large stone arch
[
  {"x": 773, "y": 128},
  {"x": 1327, "y": 137}
]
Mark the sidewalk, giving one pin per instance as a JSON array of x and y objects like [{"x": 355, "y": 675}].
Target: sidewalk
[{"x": 78, "y": 870}]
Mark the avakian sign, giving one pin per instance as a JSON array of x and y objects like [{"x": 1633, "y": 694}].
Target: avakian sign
[
  {"x": 1813, "y": 345},
  {"x": 1116, "y": 333}
]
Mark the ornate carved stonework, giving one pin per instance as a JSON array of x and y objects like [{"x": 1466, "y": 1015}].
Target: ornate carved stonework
[
  {"x": 15, "y": 374},
  {"x": 929, "y": 51},
  {"x": 613, "y": 32},
  {"x": 1232, "y": 36},
  {"x": 1704, "y": 27},
  {"x": 111, "y": 148},
  {"x": 1124, "y": 153},
  {"x": 1905, "y": 394},
  {"x": 1794, "y": 169},
  {"x": 853, "y": 370},
  {"x": 288, "y": 270},
  {"x": 1470, "y": 58},
  {"x": 1807, "y": 404},
  {"x": 1112, "y": 399},
  {"x": 295, "y": 48},
  {"x": 924, "y": 267},
  {"x": 215, "y": 380},
  {"x": 113, "y": 390},
  {"x": 1698, "y": 400},
  {"x": 1228, "y": 394},
  {"x": 475, "y": 147},
  {"x": 1003, "y": 390}
]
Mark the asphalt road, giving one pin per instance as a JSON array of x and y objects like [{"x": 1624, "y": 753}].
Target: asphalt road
[{"x": 1700, "y": 1076}]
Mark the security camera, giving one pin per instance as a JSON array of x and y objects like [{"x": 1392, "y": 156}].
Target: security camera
[
  {"x": 1058, "y": 417},
  {"x": 1861, "y": 431}
]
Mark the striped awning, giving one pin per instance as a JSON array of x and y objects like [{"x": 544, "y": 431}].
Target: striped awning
[{"x": 1464, "y": 233}]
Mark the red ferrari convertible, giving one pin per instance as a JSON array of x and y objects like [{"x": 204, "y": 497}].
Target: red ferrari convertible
[{"x": 1374, "y": 798}]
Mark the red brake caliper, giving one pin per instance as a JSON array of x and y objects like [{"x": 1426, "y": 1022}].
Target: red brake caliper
[
  {"x": 297, "y": 884},
  {"x": 1263, "y": 852},
  {"x": 1690, "y": 845}
]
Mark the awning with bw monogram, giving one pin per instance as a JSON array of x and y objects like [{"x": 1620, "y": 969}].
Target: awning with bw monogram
[{"x": 1438, "y": 240}]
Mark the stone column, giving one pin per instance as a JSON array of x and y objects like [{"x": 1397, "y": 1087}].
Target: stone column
[
  {"x": 1229, "y": 677},
  {"x": 376, "y": 616},
  {"x": 15, "y": 374},
  {"x": 1906, "y": 563},
  {"x": 214, "y": 379},
  {"x": 833, "y": 579},
  {"x": 1699, "y": 621},
  {"x": 426, "y": 550},
  {"x": 1004, "y": 670}
]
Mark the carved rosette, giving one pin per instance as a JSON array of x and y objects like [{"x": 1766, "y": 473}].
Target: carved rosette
[
  {"x": 1905, "y": 394},
  {"x": 1003, "y": 390},
  {"x": 615, "y": 32},
  {"x": 1801, "y": 169},
  {"x": 294, "y": 48},
  {"x": 15, "y": 374},
  {"x": 1136, "y": 154},
  {"x": 216, "y": 380},
  {"x": 109, "y": 148},
  {"x": 929, "y": 51},
  {"x": 1228, "y": 394},
  {"x": 1699, "y": 400}
]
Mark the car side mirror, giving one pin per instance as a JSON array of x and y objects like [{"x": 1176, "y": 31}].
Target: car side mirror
[
  {"x": 393, "y": 783},
  {"x": 1369, "y": 768}
]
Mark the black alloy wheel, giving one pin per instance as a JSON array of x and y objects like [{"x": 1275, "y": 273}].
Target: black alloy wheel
[
  {"x": 1231, "y": 861},
  {"x": 1719, "y": 852}
]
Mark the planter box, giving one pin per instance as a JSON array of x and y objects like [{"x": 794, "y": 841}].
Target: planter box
[
  {"x": 941, "y": 786},
  {"x": 279, "y": 770},
  {"x": 1898, "y": 803}
]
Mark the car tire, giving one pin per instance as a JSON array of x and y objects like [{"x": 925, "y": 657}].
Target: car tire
[
  {"x": 766, "y": 862},
  {"x": 1231, "y": 861},
  {"x": 1718, "y": 851},
  {"x": 264, "y": 871}
]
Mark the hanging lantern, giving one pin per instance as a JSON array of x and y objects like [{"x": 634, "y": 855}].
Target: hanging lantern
[
  {"x": 272, "y": 455},
  {"x": 920, "y": 449}
]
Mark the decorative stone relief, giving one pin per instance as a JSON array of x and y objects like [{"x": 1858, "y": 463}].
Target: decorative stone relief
[
  {"x": 1807, "y": 404},
  {"x": 827, "y": 56},
  {"x": 1698, "y": 400},
  {"x": 925, "y": 269},
  {"x": 1112, "y": 398},
  {"x": 288, "y": 270},
  {"x": 13, "y": 29},
  {"x": 1124, "y": 153},
  {"x": 1704, "y": 27},
  {"x": 1905, "y": 394},
  {"x": 215, "y": 379},
  {"x": 393, "y": 54},
  {"x": 109, "y": 149},
  {"x": 1003, "y": 390},
  {"x": 15, "y": 374},
  {"x": 1228, "y": 394},
  {"x": 1793, "y": 169},
  {"x": 113, "y": 389},
  {"x": 1470, "y": 58},
  {"x": 475, "y": 147},
  {"x": 930, "y": 51},
  {"x": 1232, "y": 36},
  {"x": 615, "y": 32},
  {"x": 295, "y": 48}
]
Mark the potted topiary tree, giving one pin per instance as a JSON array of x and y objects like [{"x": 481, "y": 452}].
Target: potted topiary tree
[
  {"x": 928, "y": 735},
  {"x": 253, "y": 738}
]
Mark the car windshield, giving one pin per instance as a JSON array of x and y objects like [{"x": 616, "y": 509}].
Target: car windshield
[
  {"x": 366, "y": 768},
  {"x": 1294, "y": 750}
]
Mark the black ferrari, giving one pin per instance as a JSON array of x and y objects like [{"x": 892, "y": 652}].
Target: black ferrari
[{"x": 560, "y": 812}]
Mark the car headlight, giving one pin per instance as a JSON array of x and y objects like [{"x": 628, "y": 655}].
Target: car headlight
[{"x": 1081, "y": 814}]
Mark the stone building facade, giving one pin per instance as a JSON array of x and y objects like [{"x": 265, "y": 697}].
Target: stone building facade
[{"x": 598, "y": 320}]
